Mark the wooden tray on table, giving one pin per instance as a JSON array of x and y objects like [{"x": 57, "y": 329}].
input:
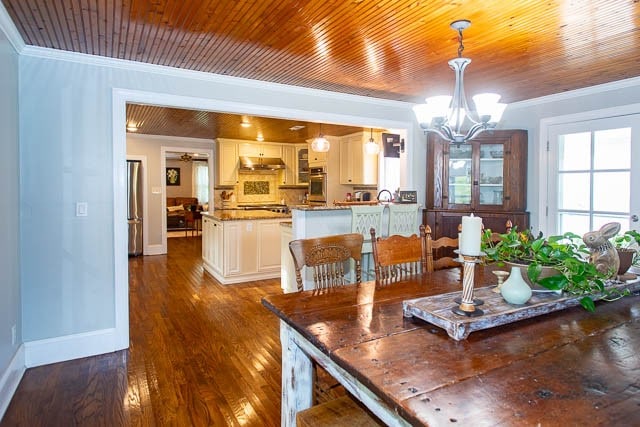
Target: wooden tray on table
[{"x": 436, "y": 309}]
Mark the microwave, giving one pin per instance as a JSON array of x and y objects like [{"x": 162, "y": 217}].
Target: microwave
[{"x": 317, "y": 185}]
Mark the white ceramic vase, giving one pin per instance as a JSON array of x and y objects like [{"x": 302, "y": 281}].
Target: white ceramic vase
[{"x": 515, "y": 290}]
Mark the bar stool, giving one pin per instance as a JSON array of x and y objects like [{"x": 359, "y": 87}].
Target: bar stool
[
  {"x": 363, "y": 218},
  {"x": 403, "y": 219}
]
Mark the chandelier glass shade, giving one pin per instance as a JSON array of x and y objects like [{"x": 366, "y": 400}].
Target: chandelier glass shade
[
  {"x": 447, "y": 115},
  {"x": 320, "y": 144}
]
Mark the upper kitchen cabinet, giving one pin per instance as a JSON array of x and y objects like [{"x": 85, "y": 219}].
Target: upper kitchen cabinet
[
  {"x": 486, "y": 176},
  {"x": 357, "y": 167},
  {"x": 227, "y": 169},
  {"x": 296, "y": 160},
  {"x": 260, "y": 150},
  {"x": 315, "y": 158}
]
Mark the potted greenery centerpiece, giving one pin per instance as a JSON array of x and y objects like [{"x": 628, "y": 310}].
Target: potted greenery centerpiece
[
  {"x": 628, "y": 247},
  {"x": 558, "y": 263}
]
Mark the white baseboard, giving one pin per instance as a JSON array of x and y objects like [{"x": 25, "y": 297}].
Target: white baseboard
[
  {"x": 154, "y": 250},
  {"x": 11, "y": 378},
  {"x": 69, "y": 347}
]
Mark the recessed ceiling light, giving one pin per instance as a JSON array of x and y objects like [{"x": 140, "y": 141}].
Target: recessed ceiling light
[
  {"x": 297, "y": 127},
  {"x": 132, "y": 126}
]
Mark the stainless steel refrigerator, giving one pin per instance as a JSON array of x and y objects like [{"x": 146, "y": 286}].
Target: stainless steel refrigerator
[{"x": 134, "y": 206}]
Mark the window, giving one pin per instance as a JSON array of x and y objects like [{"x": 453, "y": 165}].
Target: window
[
  {"x": 201, "y": 181},
  {"x": 590, "y": 175}
]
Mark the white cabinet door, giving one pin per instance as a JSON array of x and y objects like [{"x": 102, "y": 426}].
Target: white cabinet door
[
  {"x": 217, "y": 245},
  {"x": 347, "y": 161},
  {"x": 212, "y": 241},
  {"x": 227, "y": 173},
  {"x": 250, "y": 150},
  {"x": 232, "y": 248},
  {"x": 260, "y": 150},
  {"x": 271, "y": 150},
  {"x": 206, "y": 240},
  {"x": 268, "y": 244},
  {"x": 288, "y": 176},
  {"x": 356, "y": 166},
  {"x": 316, "y": 159}
]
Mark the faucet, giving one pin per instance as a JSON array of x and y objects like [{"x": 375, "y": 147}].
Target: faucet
[{"x": 385, "y": 191}]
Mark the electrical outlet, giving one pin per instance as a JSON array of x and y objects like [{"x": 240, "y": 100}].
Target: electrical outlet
[{"x": 13, "y": 335}]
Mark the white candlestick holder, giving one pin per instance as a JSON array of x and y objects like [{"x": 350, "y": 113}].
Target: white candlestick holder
[{"x": 467, "y": 306}]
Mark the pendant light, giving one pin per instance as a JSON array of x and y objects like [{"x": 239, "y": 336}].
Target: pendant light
[
  {"x": 371, "y": 146},
  {"x": 320, "y": 144},
  {"x": 445, "y": 115}
]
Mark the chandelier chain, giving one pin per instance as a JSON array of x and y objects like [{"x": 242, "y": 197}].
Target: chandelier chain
[{"x": 460, "y": 44}]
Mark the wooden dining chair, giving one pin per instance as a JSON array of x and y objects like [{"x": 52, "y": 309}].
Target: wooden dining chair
[
  {"x": 328, "y": 257},
  {"x": 495, "y": 236},
  {"x": 397, "y": 257},
  {"x": 433, "y": 245}
]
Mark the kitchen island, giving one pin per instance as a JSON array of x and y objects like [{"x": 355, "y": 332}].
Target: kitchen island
[
  {"x": 314, "y": 221},
  {"x": 242, "y": 245}
]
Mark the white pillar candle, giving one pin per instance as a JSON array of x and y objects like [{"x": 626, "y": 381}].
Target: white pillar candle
[{"x": 471, "y": 234}]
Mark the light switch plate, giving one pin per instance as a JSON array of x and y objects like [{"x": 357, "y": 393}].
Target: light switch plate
[{"x": 81, "y": 209}]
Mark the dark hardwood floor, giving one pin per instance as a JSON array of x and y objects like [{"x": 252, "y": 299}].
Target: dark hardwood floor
[{"x": 200, "y": 354}]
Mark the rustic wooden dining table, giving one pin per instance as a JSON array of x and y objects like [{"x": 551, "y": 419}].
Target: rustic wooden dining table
[{"x": 569, "y": 367}]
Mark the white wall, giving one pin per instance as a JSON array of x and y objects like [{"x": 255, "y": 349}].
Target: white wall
[
  {"x": 68, "y": 142},
  {"x": 10, "y": 307}
]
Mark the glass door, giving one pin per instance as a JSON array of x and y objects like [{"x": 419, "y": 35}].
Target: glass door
[
  {"x": 491, "y": 178},
  {"x": 303, "y": 166},
  {"x": 460, "y": 169},
  {"x": 594, "y": 176}
]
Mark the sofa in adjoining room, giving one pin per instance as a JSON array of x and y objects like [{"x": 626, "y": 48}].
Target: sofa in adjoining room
[{"x": 176, "y": 208}]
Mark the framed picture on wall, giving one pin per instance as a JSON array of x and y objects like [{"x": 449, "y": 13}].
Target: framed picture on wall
[{"x": 173, "y": 176}]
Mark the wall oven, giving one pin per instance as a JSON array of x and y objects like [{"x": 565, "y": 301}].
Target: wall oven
[{"x": 318, "y": 185}]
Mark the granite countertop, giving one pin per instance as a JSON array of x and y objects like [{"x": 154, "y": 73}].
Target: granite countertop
[
  {"x": 242, "y": 215},
  {"x": 288, "y": 224},
  {"x": 318, "y": 208}
]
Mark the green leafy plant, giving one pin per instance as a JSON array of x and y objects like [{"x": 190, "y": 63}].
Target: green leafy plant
[
  {"x": 629, "y": 240},
  {"x": 565, "y": 253}
]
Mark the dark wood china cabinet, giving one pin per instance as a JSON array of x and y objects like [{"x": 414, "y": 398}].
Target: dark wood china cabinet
[{"x": 486, "y": 176}]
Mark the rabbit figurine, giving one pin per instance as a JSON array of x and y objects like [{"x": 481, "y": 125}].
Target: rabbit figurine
[{"x": 603, "y": 255}]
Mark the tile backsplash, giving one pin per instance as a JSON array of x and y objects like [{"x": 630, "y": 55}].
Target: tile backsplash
[{"x": 260, "y": 187}]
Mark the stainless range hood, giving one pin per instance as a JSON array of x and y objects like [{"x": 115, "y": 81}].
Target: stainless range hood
[{"x": 260, "y": 163}]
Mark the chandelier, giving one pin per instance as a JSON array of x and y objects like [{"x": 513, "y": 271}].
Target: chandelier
[
  {"x": 186, "y": 157},
  {"x": 446, "y": 115}
]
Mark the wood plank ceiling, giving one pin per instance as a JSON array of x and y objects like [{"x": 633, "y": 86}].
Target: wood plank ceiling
[{"x": 392, "y": 49}]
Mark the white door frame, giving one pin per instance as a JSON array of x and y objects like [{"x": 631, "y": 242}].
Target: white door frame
[
  {"x": 545, "y": 161},
  {"x": 120, "y": 98},
  {"x": 163, "y": 165}
]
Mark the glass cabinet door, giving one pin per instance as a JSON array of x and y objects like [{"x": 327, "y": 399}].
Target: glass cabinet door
[
  {"x": 491, "y": 179},
  {"x": 303, "y": 166},
  {"x": 459, "y": 168}
]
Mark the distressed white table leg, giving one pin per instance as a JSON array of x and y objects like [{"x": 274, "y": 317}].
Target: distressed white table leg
[{"x": 297, "y": 378}]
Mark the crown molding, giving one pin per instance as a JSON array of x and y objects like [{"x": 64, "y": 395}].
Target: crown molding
[
  {"x": 8, "y": 27},
  {"x": 571, "y": 94},
  {"x": 83, "y": 58}
]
